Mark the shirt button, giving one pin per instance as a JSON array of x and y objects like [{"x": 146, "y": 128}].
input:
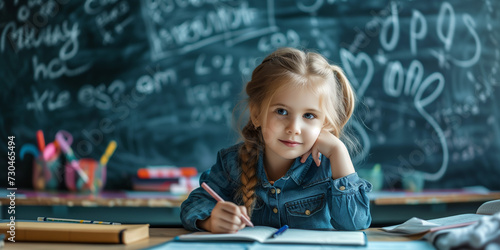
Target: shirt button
[
  {"x": 273, "y": 191},
  {"x": 342, "y": 188},
  {"x": 275, "y": 210},
  {"x": 278, "y": 190},
  {"x": 308, "y": 212}
]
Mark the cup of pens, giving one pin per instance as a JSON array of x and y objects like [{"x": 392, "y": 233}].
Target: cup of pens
[
  {"x": 85, "y": 174},
  {"x": 46, "y": 175},
  {"x": 47, "y": 167},
  {"x": 95, "y": 175}
]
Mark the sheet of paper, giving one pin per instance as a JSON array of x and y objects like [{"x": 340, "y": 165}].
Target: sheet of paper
[
  {"x": 413, "y": 225},
  {"x": 297, "y": 236},
  {"x": 258, "y": 233},
  {"x": 416, "y": 225},
  {"x": 176, "y": 245},
  {"x": 387, "y": 245}
]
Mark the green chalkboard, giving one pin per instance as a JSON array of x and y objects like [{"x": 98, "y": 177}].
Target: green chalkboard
[{"x": 162, "y": 78}]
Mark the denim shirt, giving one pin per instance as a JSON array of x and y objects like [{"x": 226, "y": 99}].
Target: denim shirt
[{"x": 306, "y": 197}]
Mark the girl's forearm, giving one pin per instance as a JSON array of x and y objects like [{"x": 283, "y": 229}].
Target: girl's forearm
[{"x": 340, "y": 162}]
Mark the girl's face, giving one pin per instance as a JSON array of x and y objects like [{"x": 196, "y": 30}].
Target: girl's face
[{"x": 294, "y": 122}]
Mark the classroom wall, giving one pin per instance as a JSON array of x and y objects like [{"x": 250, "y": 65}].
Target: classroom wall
[{"x": 162, "y": 77}]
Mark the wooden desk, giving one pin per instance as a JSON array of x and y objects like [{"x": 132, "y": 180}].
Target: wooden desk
[{"x": 160, "y": 235}]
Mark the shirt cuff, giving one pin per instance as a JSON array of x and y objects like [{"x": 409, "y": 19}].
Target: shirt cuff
[
  {"x": 200, "y": 216},
  {"x": 350, "y": 184}
]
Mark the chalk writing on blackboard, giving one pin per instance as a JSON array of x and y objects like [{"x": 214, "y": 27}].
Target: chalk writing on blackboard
[{"x": 162, "y": 78}]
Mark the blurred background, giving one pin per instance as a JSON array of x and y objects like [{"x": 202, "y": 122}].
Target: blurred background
[{"x": 161, "y": 79}]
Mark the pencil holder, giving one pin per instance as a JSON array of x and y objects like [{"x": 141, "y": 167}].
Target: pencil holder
[
  {"x": 95, "y": 172},
  {"x": 47, "y": 174}
]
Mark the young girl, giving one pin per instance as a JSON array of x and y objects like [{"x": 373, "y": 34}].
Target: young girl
[{"x": 292, "y": 168}]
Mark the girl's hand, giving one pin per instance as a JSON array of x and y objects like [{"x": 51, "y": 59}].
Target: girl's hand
[
  {"x": 325, "y": 144},
  {"x": 335, "y": 150},
  {"x": 225, "y": 218}
]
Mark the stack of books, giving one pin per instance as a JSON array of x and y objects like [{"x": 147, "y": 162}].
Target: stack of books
[{"x": 166, "y": 179}]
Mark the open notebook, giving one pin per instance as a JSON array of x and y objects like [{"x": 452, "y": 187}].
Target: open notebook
[{"x": 263, "y": 234}]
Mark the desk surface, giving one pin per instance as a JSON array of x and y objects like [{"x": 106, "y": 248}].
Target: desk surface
[
  {"x": 103, "y": 199},
  {"x": 432, "y": 197},
  {"x": 161, "y": 235}
]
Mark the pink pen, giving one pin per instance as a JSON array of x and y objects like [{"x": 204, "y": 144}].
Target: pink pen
[
  {"x": 218, "y": 198},
  {"x": 71, "y": 156},
  {"x": 49, "y": 152}
]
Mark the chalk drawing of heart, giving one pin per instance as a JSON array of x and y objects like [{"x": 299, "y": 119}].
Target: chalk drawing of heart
[{"x": 349, "y": 60}]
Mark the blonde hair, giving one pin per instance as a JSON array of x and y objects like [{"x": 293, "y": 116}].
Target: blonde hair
[{"x": 289, "y": 68}]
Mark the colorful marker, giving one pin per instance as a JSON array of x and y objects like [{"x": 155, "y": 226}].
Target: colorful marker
[
  {"x": 107, "y": 154},
  {"x": 41, "y": 140},
  {"x": 29, "y": 148},
  {"x": 50, "y": 151},
  {"x": 71, "y": 156}
]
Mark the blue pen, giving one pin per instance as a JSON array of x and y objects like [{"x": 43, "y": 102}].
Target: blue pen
[{"x": 280, "y": 231}]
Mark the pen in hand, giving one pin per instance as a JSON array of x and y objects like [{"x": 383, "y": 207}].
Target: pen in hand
[{"x": 218, "y": 198}]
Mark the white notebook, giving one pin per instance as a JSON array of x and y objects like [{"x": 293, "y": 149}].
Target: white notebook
[{"x": 264, "y": 234}]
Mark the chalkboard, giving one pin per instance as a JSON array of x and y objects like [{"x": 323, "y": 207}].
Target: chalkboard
[{"x": 162, "y": 77}]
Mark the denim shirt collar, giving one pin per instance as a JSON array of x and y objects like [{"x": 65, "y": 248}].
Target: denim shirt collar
[{"x": 297, "y": 171}]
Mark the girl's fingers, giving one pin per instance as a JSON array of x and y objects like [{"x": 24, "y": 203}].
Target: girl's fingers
[
  {"x": 315, "y": 153},
  {"x": 226, "y": 217},
  {"x": 227, "y": 228},
  {"x": 316, "y": 156},
  {"x": 228, "y": 224},
  {"x": 243, "y": 210},
  {"x": 231, "y": 219},
  {"x": 232, "y": 212},
  {"x": 304, "y": 156},
  {"x": 242, "y": 226}
]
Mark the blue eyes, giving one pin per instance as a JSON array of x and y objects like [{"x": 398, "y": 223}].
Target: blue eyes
[
  {"x": 284, "y": 112},
  {"x": 309, "y": 116},
  {"x": 281, "y": 112}
]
